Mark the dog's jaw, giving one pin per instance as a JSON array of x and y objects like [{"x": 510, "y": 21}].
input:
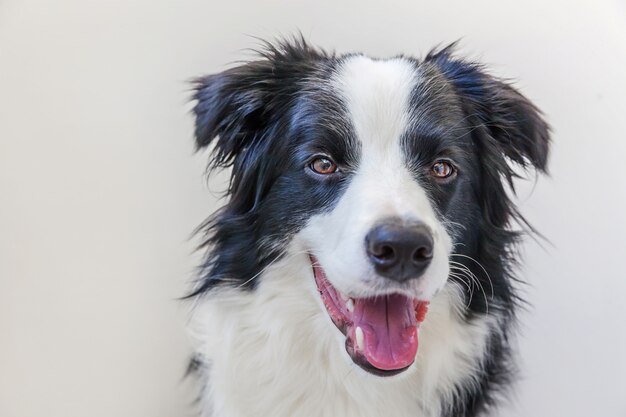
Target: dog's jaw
[
  {"x": 282, "y": 334},
  {"x": 381, "y": 331}
]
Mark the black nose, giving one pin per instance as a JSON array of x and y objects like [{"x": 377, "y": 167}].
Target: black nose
[{"x": 400, "y": 252}]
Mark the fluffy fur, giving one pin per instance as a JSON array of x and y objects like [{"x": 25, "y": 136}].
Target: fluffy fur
[{"x": 265, "y": 343}]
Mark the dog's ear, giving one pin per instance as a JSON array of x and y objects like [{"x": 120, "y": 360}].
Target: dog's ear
[
  {"x": 230, "y": 108},
  {"x": 517, "y": 124},
  {"x": 510, "y": 119}
]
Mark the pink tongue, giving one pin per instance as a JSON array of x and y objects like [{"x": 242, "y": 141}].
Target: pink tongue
[{"x": 389, "y": 329}]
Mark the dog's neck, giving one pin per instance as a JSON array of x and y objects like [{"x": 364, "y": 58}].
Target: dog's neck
[{"x": 273, "y": 351}]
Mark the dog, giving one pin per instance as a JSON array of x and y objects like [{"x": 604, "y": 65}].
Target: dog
[{"x": 364, "y": 262}]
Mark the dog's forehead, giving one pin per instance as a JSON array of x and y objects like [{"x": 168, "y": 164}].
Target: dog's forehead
[{"x": 377, "y": 95}]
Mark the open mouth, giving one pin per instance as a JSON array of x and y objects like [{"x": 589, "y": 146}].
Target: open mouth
[{"x": 381, "y": 332}]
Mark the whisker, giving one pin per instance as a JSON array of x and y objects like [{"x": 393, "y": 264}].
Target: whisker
[
  {"x": 480, "y": 265},
  {"x": 278, "y": 258},
  {"x": 467, "y": 272},
  {"x": 467, "y": 285}
]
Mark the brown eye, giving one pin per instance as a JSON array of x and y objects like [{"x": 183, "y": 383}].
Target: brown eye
[
  {"x": 442, "y": 170},
  {"x": 323, "y": 166}
]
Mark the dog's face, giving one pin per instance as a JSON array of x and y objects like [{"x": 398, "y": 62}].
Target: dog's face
[{"x": 380, "y": 170}]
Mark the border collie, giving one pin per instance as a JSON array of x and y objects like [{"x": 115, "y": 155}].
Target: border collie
[{"x": 363, "y": 264}]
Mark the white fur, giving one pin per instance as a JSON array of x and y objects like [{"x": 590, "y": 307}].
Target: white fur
[
  {"x": 377, "y": 95},
  {"x": 275, "y": 352}
]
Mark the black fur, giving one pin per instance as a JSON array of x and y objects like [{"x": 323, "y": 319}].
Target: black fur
[
  {"x": 252, "y": 109},
  {"x": 266, "y": 117}
]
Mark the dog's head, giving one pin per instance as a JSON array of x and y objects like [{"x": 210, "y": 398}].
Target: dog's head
[{"x": 381, "y": 170}]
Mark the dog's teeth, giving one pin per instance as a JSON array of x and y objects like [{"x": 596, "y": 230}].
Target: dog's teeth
[
  {"x": 350, "y": 305},
  {"x": 359, "y": 338}
]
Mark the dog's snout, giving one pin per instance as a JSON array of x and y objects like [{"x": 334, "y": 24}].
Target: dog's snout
[{"x": 400, "y": 252}]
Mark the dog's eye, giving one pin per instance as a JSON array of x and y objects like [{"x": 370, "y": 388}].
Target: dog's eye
[
  {"x": 323, "y": 166},
  {"x": 442, "y": 170}
]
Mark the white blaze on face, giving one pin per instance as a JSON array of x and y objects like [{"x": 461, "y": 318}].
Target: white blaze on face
[{"x": 377, "y": 95}]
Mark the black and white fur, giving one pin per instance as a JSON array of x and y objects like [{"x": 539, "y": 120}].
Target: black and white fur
[{"x": 265, "y": 344}]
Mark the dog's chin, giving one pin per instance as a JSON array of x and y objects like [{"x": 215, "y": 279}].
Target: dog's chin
[{"x": 381, "y": 331}]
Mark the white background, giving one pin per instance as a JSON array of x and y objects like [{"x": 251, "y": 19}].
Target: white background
[{"x": 100, "y": 191}]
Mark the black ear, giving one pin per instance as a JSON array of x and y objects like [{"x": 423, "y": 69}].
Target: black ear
[
  {"x": 517, "y": 125},
  {"x": 237, "y": 105},
  {"x": 513, "y": 122},
  {"x": 230, "y": 107}
]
